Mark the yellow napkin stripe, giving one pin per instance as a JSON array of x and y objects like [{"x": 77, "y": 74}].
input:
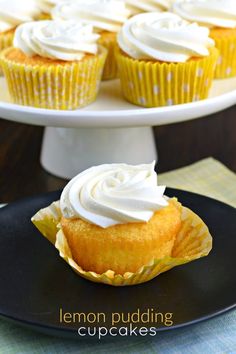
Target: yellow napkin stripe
[{"x": 207, "y": 177}]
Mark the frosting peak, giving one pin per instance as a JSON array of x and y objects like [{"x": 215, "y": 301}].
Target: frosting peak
[
  {"x": 163, "y": 36},
  {"x": 63, "y": 40},
  {"x": 113, "y": 194},
  {"x": 103, "y": 15},
  {"x": 213, "y": 13}
]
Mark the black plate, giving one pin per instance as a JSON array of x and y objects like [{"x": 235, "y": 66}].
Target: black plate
[{"x": 35, "y": 282}]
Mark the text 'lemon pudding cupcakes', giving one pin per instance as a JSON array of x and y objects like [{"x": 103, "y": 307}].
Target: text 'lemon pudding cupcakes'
[
  {"x": 164, "y": 60},
  {"x": 220, "y": 17},
  {"x": 13, "y": 13},
  {"x": 138, "y": 6},
  {"x": 54, "y": 64},
  {"x": 106, "y": 16},
  {"x": 114, "y": 225}
]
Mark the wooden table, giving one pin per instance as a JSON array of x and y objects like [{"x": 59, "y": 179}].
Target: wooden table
[{"x": 180, "y": 144}]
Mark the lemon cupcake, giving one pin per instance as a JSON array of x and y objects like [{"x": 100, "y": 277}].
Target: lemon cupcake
[
  {"x": 135, "y": 7},
  {"x": 114, "y": 224},
  {"x": 164, "y": 60},
  {"x": 106, "y": 17},
  {"x": 54, "y": 64},
  {"x": 13, "y": 13},
  {"x": 220, "y": 17}
]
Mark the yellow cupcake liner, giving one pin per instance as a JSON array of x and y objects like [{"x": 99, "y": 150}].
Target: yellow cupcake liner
[
  {"x": 155, "y": 84},
  {"x": 55, "y": 86},
  {"x": 6, "y": 41},
  {"x": 226, "y": 45},
  {"x": 110, "y": 70},
  {"x": 192, "y": 242}
]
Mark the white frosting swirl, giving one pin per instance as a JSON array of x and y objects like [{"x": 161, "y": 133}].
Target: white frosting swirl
[
  {"x": 164, "y": 37},
  {"x": 104, "y": 15},
  {"x": 47, "y": 5},
  {"x": 113, "y": 194},
  {"x": 64, "y": 40},
  {"x": 138, "y": 6},
  {"x": 14, "y": 12},
  {"x": 211, "y": 13}
]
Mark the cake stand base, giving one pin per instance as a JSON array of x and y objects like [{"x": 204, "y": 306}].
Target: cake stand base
[{"x": 68, "y": 151}]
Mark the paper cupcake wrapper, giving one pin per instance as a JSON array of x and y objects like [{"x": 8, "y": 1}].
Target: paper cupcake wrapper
[
  {"x": 155, "y": 84},
  {"x": 6, "y": 41},
  {"x": 110, "y": 70},
  {"x": 192, "y": 242},
  {"x": 225, "y": 42},
  {"x": 69, "y": 86}
]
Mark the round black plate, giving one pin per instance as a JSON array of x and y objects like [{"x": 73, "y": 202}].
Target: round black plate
[{"x": 36, "y": 282}]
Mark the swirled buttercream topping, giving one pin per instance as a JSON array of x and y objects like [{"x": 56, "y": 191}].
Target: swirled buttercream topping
[
  {"x": 138, "y": 6},
  {"x": 46, "y": 6},
  {"x": 104, "y": 15},
  {"x": 211, "y": 13},
  {"x": 15, "y": 12},
  {"x": 63, "y": 40},
  {"x": 164, "y": 37},
  {"x": 113, "y": 194}
]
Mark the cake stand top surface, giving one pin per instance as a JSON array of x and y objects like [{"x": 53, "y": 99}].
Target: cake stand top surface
[{"x": 110, "y": 110}]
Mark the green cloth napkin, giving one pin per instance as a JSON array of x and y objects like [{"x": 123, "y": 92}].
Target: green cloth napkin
[{"x": 216, "y": 336}]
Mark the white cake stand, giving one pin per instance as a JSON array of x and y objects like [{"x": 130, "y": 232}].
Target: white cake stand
[{"x": 109, "y": 130}]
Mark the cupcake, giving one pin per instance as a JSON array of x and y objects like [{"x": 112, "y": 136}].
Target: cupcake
[
  {"x": 135, "y": 7},
  {"x": 106, "y": 17},
  {"x": 113, "y": 224},
  {"x": 54, "y": 64},
  {"x": 13, "y": 13},
  {"x": 220, "y": 17},
  {"x": 164, "y": 60}
]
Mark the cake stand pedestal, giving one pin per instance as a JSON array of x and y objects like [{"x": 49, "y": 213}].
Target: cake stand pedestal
[{"x": 67, "y": 151}]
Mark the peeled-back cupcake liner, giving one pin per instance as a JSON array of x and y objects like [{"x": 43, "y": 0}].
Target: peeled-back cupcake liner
[
  {"x": 225, "y": 42},
  {"x": 55, "y": 86},
  {"x": 193, "y": 241},
  {"x": 110, "y": 70},
  {"x": 155, "y": 84}
]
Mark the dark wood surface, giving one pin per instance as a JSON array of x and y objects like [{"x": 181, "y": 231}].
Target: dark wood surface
[{"x": 179, "y": 145}]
